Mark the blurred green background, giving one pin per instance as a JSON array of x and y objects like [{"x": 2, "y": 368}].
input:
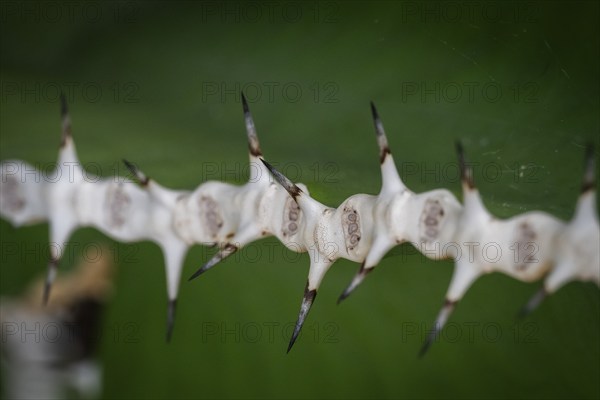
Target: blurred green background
[{"x": 157, "y": 83}]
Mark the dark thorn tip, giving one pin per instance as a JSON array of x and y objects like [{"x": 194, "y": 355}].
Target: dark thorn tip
[
  {"x": 196, "y": 274},
  {"x": 253, "y": 144},
  {"x": 343, "y": 296},
  {"x": 245, "y": 103},
  {"x": 307, "y": 302},
  {"x": 228, "y": 250},
  {"x": 141, "y": 178},
  {"x": 533, "y": 303},
  {"x": 130, "y": 167},
  {"x": 64, "y": 109},
  {"x": 288, "y": 185},
  {"x": 425, "y": 348},
  {"x": 374, "y": 111},
  {"x": 171, "y": 308},
  {"x": 380, "y": 132},
  {"x": 589, "y": 181},
  {"x": 466, "y": 174},
  {"x": 377, "y": 121},
  {"x": 348, "y": 291},
  {"x": 435, "y": 331}
]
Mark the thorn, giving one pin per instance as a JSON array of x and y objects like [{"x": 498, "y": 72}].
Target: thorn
[
  {"x": 307, "y": 301},
  {"x": 245, "y": 104},
  {"x": 130, "y": 167},
  {"x": 589, "y": 181},
  {"x": 172, "y": 306},
  {"x": 377, "y": 121},
  {"x": 357, "y": 280},
  {"x": 64, "y": 109},
  {"x": 228, "y": 250},
  {"x": 425, "y": 348},
  {"x": 466, "y": 174},
  {"x": 288, "y": 185},
  {"x": 384, "y": 149},
  {"x": 138, "y": 175},
  {"x": 253, "y": 143},
  {"x": 533, "y": 303},
  {"x": 440, "y": 321}
]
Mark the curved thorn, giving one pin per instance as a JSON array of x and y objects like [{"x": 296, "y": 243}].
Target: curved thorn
[
  {"x": 253, "y": 143},
  {"x": 307, "y": 301},
  {"x": 288, "y": 185},
  {"x": 357, "y": 280},
  {"x": 440, "y": 321},
  {"x": 384, "y": 148},
  {"x": 228, "y": 250}
]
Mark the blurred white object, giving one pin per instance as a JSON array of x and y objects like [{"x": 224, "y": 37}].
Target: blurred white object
[{"x": 48, "y": 352}]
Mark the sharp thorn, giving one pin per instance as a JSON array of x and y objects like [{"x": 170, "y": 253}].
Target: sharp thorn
[
  {"x": 425, "y": 348},
  {"x": 228, "y": 250},
  {"x": 307, "y": 301},
  {"x": 253, "y": 143},
  {"x": 64, "y": 109},
  {"x": 440, "y": 321},
  {"x": 466, "y": 174},
  {"x": 288, "y": 185},
  {"x": 589, "y": 181},
  {"x": 171, "y": 308},
  {"x": 137, "y": 174},
  {"x": 377, "y": 121},
  {"x": 533, "y": 303},
  {"x": 356, "y": 281},
  {"x": 244, "y": 103},
  {"x": 384, "y": 148}
]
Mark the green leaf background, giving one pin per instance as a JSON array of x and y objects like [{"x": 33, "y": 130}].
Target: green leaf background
[{"x": 157, "y": 83}]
